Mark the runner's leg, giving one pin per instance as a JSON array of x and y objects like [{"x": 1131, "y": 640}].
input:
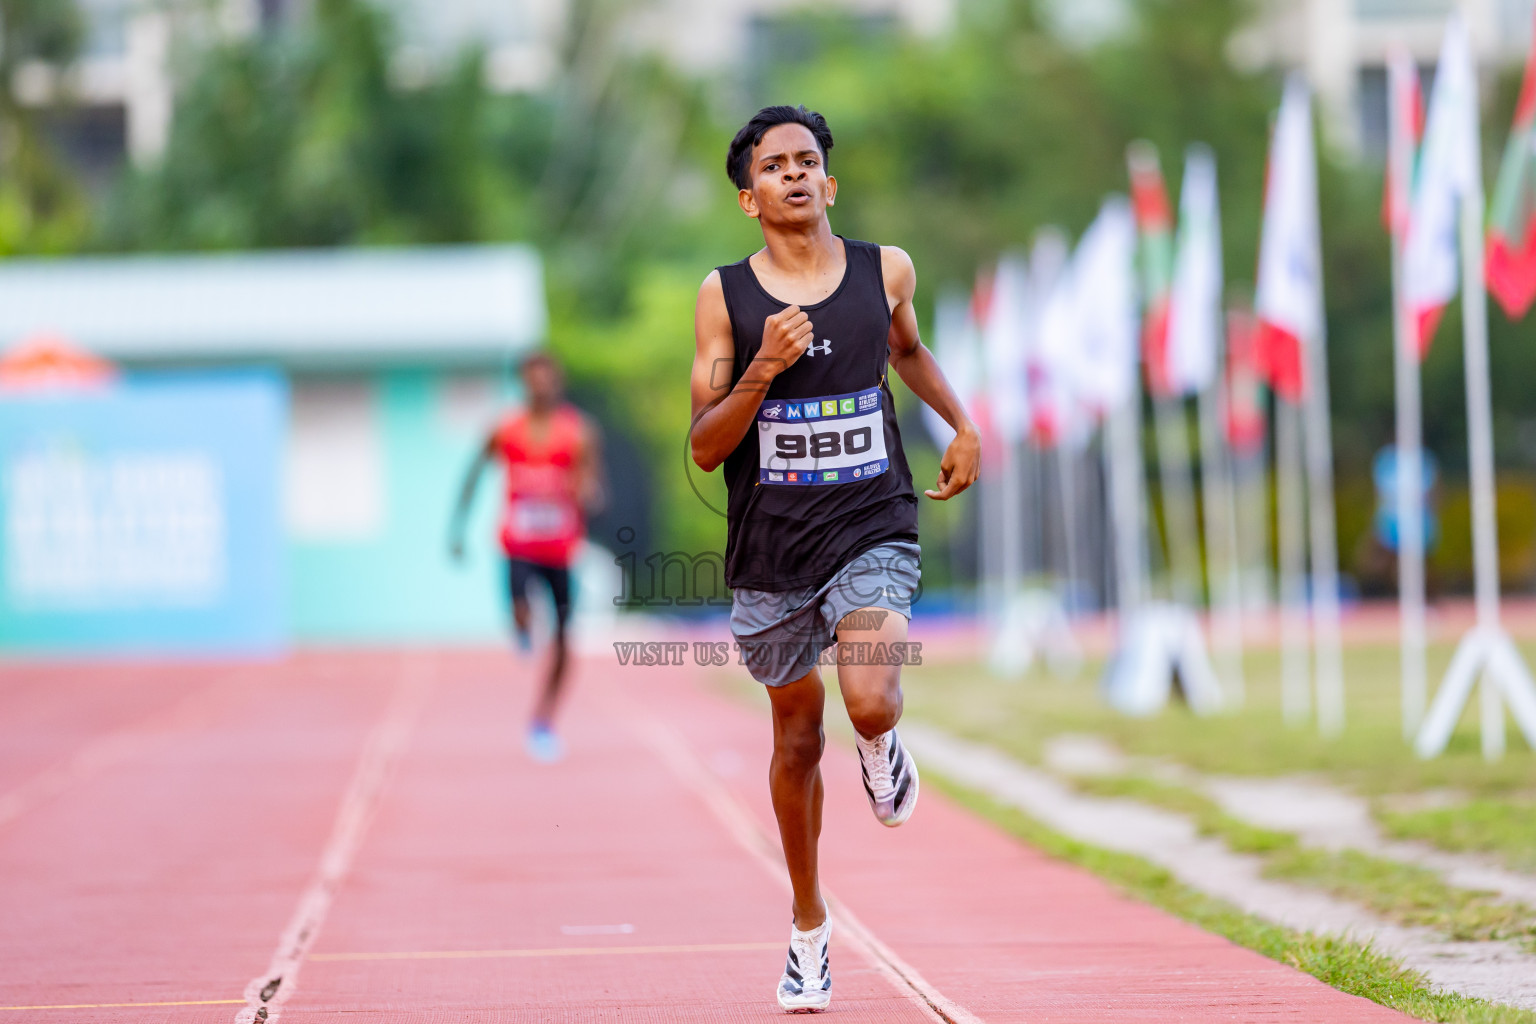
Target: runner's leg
[
  {"x": 794, "y": 777},
  {"x": 559, "y": 581},
  {"x": 518, "y": 573},
  {"x": 871, "y": 692}
]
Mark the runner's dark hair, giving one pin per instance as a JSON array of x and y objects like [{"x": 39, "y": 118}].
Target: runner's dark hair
[
  {"x": 538, "y": 357},
  {"x": 738, "y": 159}
]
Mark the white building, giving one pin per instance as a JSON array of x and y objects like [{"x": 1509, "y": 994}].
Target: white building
[{"x": 1343, "y": 45}]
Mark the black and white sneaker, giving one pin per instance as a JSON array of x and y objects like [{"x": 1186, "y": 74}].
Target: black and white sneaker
[
  {"x": 806, "y": 986},
  {"x": 890, "y": 778}
]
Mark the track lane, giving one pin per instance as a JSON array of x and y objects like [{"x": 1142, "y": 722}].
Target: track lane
[
  {"x": 492, "y": 888},
  {"x": 168, "y": 878}
]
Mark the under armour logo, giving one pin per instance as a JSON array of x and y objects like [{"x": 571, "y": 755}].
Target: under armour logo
[{"x": 825, "y": 348}]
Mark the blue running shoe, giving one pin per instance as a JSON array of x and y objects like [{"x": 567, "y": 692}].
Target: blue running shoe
[{"x": 543, "y": 745}]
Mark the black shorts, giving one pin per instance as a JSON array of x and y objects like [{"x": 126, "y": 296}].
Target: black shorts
[{"x": 520, "y": 572}]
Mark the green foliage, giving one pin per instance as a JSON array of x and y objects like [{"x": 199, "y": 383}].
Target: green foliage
[
  {"x": 301, "y": 139},
  {"x": 42, "y": 208},
  {"x": 632, "y": 361},
  {"x": 956, "y": 147}
]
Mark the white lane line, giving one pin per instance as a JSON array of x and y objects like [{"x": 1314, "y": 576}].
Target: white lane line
[
  {"x": 266, "y": 993},
  {"x": 743, "y": 826}
]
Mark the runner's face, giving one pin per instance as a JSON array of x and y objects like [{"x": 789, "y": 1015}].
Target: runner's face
[
  {"x": 790, "y": 184},
  {"x": 542, "y": 382}
]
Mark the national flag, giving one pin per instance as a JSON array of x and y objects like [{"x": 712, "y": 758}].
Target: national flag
[
  {"x": 1049, "y": 338},
  {"x": 1405, "y": 117},
  {"x": 1242, "y": 407},
  {"x": 1004, "y": 339},
  {"x": 1154, "y": 221},
  {"x": 1194, "y": 308},
  {"x": 1053, "y": 402},
  {"x": 1289, "y": 303},
  {"x": 1101, "y": 366},
  {"x": 1445, "y": 172},
  {"x": 955, "y": 349},
  {"x": 1511, "y": 253}
]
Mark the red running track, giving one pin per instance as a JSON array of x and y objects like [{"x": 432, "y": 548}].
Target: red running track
[{"x": 366, "y": 826}]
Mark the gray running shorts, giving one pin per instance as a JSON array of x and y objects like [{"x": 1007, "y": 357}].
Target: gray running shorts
[{"x": 783, "y": 632}]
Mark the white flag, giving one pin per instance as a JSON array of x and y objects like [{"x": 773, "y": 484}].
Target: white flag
[
  {"x": 1446, "y": 170},
  {"x": 955, "y": 349},
  {"x": 1289, "y": 303},
  {"x": 1101, "y": 366},
  {"x": 1004, "y": 345},
  {"x": 1195, "y": 313},
  {"x": 1050, "y": 336}
]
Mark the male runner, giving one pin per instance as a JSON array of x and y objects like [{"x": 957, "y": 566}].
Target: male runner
[
  {"x": 790, "y": 393},
  {"x": 550, "y": 451}
]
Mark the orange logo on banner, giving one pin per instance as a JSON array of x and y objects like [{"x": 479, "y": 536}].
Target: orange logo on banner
[{"x": 48, "y": 361}]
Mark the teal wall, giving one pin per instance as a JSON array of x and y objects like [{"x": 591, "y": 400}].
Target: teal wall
[{"x": 400, "y": 586}]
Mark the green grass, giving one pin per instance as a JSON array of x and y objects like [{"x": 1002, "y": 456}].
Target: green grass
[
  {"x": 1208, "y": 817},
  {"x": 1403, "y": 893},
  {"x": 1406, "y": 894},
  {"x": 1344, "y": 964},
  {"x": 1504, "y": 828},
  {"x": 1371, "y": 757}
]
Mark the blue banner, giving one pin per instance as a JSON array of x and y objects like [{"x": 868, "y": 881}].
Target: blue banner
[{"x": 144, "y": 518}]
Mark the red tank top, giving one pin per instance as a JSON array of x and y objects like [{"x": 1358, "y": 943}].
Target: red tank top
[{"x": 543, "y": 521}]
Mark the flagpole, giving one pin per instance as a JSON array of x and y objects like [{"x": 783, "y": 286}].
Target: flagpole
[
  {"x": 1221, "y": 518},
  {"x": 1328, "y": 644},
  {"x": 1485, "y": 537},
  {"x": 1066, "y": 483},
  {"x": 1409, "y": 461},
  {"x": 1486, "y": 654},
  {"x": 1295, "y": 675},
  {"x": 1123, "y": 462}
]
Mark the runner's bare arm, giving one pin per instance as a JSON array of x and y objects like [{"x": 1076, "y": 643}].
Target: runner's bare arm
[
  {"x": 591, "y": 488},
  {"x": 722, "y": 414},
  {"x": 916, "y": 366},
  {"x": 467, "y": 490}
]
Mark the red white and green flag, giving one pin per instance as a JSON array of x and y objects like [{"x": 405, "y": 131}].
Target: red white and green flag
[
  {"x": 1154, "y": 223},
  {"x": 1511, "y": 253},
  {"x": 1242, "y": 398},
  {"x": 1443, "y": 177},
  {"x": 1289, "y": 299}
]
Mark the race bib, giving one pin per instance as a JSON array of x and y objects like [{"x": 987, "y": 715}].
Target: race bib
[
  {"x": 835, "y": 440},
  {"x": 533, "y": 519}
]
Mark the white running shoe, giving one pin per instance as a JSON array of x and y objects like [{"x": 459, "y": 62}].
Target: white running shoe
[
  {"x": 806, "y": 986},
  {"x": 890, "y": 778}
]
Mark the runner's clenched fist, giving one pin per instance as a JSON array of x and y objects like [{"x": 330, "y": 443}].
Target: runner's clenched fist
[{"x": 785, "y": 337}]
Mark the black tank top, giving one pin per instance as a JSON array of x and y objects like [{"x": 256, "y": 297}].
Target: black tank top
[{"x": 820, "y": 477}]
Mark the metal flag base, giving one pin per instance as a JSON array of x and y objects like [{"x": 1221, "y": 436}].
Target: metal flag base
[
  {"x": 1034, "y": 624},
  {"x": 1487, "y": 653},
  {"x": 1162, "y": 646}
]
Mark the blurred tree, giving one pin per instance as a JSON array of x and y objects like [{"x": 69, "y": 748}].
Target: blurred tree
[
  {"x": 42, "y": 208},
  {"x": 298, "y": 137},
  {"x": 956, "y": 148}
]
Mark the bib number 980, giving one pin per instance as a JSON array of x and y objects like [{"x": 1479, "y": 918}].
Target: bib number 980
[{"x": 827, "y": 445}]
